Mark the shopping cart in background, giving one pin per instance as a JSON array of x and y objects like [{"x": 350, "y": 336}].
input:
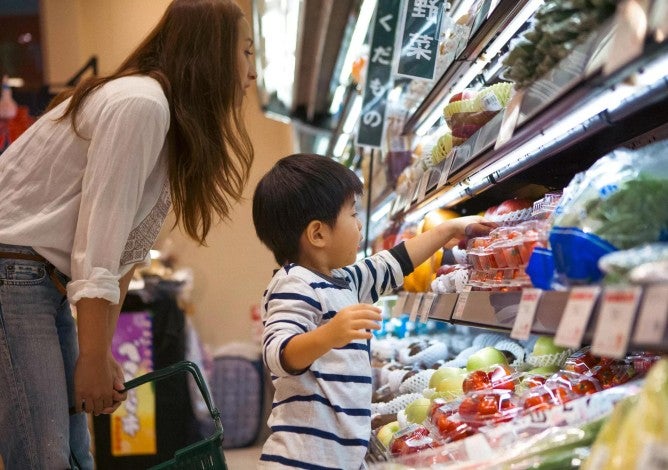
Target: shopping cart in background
[{"x": 206, "y": 454}]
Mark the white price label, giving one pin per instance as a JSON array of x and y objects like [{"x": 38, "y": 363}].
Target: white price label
[
  {"x": 399, "y": 306},
  {"x": 526, "y": 312},
  {"x": 445, "y": 169},
  {"x": 417, "y": 300},
  {"x": 460, "y": 306},
  {"x": 615, "y": 320},
  {"x": 510, "y": 117},
  {"x": 576, "y": 315},
  {"x": 427, "y": 304},
  {"x": 422, "y": 188},
  {"x": 653, "y": 316},
  {"x": 629, "y": 38}
]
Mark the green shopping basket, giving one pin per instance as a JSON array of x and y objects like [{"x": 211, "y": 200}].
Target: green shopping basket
[{"x": 203, "y": 455}]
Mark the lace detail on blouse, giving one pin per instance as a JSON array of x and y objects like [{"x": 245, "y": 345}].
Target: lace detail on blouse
[{"x": 143, "y": 236}]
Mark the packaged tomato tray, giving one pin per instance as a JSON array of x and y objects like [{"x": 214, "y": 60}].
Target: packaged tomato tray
[
  {"x": 490, "y": 406},
  {"x": 495, "y": 443}
]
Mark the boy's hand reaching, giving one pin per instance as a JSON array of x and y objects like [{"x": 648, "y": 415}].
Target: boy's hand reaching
[
  {"x": 352, "y": 323},
  {"x": 471, "y": 226}
]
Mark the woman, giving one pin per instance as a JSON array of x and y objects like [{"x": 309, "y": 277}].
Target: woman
[{"x": 83, "y": 195}]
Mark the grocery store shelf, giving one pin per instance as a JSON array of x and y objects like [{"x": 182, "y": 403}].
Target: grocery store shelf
[
  {"x": 497, "y": 21},
  {"x": 497, "y": 310},
  {"x": 585, "y": 114}
]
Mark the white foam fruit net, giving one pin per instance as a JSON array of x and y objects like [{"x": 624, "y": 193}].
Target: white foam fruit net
[
  {"x": 546, "y": 360},
  {"x": 417, "y": 383},
  {"x": 395, "y": 405},
  {"x": 433, "y": 353}
]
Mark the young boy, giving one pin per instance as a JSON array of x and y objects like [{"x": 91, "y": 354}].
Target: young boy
[{"x": 317, "y": 310}]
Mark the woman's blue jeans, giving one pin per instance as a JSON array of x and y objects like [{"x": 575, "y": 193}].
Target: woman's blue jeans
[{"x": 38, "y": 352}]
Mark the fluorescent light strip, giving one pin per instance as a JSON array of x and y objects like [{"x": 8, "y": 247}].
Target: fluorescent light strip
[
  {"x": 337, "y": 99},
  {"x": 357, "y": 39},
  {"x": 509, "y": 31},
  {"x": 340, "y": 146},
  {"x": 353, "y": 115},
  {"x": 379, "y": 214}
]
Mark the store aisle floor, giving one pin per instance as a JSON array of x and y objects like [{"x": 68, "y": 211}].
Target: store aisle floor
[{"x": 243, "y": 459}]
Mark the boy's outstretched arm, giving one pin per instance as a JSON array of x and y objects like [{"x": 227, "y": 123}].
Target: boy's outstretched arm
[
  {"x": 422, "y": 246},
  {"x": 348, "y": 324}
]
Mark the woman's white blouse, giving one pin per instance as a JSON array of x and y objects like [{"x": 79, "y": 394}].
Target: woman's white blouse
[{"x": 92, "y": 204}]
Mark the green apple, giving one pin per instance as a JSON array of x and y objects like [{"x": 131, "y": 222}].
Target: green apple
[
  {"x": 451, "y": 387},
  {"x": 545, "y": 345},
  {"x": 444, "y": 372},
  {"x": 545, "y": 370},
  {"x": 387, "y": 431},
  {"x": 417, "y": 410},
  {"x": 486, "y": 357}
]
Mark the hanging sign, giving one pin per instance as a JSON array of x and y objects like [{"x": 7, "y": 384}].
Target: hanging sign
[
  {"x": 419, "y": 39},
  {"x": 379, "y": 74}
]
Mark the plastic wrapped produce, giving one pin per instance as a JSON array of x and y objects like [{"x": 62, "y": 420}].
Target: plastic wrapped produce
[
  {"x": 636, "y": 435},
  {"x": 619, "y": 203}
]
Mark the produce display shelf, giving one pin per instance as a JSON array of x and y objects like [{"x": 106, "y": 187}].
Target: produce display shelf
[
  {"x": 498, "y": 20},
  {"x": 572, "y": 151},
  {"x": 498, "y": 311}
]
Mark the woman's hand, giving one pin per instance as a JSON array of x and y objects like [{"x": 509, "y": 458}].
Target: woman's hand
[
  {"x": 351, "y": 323},
  {"x": 119, "y": 385},
  {"x": 94, "y": 379}
]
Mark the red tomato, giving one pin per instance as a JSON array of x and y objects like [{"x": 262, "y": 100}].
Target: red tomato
[
  {"x": 476, "y": 380},
  {"x": 584, "y": 387},
  {"x": 488, "y": 405},
  {"x": 411, "y": 442},
  {"x": 501, "y": 377},
  {"x": 536, "y": 402},
  {"x": 534, "y": 381},
  {"x": 468, "y": 407}
]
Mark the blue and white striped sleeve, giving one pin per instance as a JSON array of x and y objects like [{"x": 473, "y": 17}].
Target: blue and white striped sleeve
[
  {"x": 375, "y": 276},
  {"x": 291, "y": 308}
]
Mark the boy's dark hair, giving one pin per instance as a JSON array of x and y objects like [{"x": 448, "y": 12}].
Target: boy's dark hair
[{"x": 299, "y": 188}]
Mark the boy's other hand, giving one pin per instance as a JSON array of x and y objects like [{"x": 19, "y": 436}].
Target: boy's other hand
[{"x": 352, "y": 323}]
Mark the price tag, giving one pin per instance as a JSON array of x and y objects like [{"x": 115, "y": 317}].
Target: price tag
[
  {"x": 417, "y": 300},
  {"x": 427, "y": 304},
  {"x": 615, "y": 320},
  {"x": 576, "y": 315},
  {"x": 445, "y": 171},
  {"x": 422, "y": 188},
  {"x": 526, "y": 312},
  {"x": 460, "y": 306},
  {"x": 629, "y": 38},
  {"x": 510, "y": 117},
  {"x": 653, "y": 316},
  {"x": 399, "y": 305},
  {"x": 415, "y": 187}
]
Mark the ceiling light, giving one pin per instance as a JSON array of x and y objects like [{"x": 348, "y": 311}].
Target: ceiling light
[{"x": 357, "y": 39}]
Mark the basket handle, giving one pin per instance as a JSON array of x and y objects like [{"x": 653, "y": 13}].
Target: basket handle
[{"x": 176, "y": 368}]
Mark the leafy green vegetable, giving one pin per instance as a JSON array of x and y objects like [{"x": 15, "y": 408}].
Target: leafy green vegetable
[{"x": 636, "y": 213}]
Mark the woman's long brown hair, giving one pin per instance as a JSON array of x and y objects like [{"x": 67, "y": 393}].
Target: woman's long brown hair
[{"x": 192, "y": 53}]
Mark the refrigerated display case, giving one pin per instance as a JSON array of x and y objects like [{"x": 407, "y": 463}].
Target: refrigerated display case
[{"x": 608, "y": 91}]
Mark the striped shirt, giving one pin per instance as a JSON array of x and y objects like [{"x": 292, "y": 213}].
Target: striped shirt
[{"x": 321, "y": 417}]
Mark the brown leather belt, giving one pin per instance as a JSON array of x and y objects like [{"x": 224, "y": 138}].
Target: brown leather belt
[{"x": 51, "y": 269}]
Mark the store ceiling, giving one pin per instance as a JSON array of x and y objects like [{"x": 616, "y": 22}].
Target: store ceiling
[
  {"x": 319, "y": 45},
  {"x": 321, "y": 42}
]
